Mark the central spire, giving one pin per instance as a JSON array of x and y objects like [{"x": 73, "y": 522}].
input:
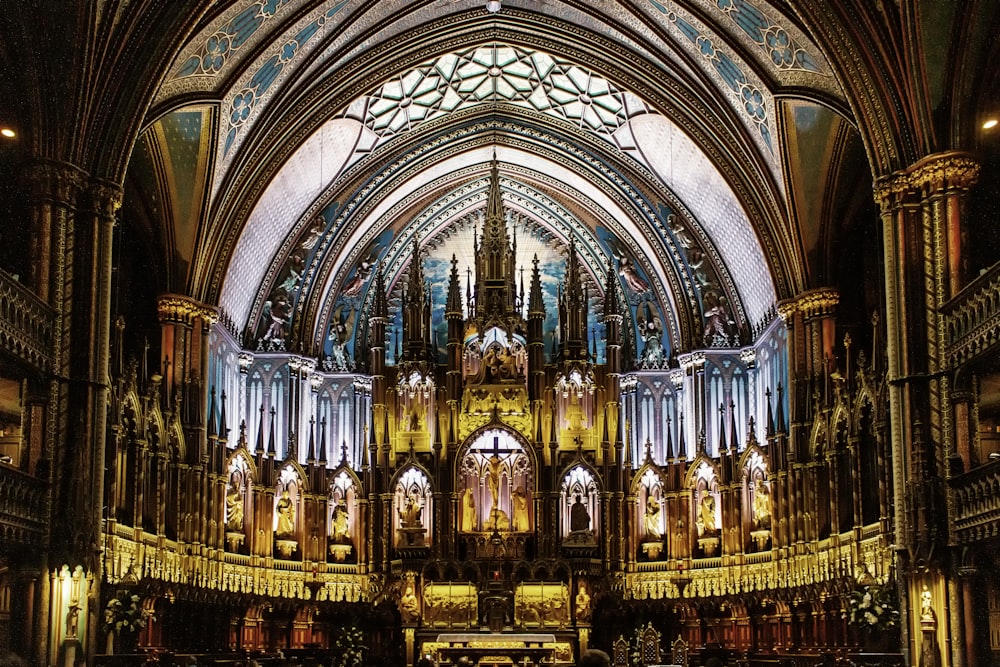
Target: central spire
[
  {"x": 496, "y": 291},
  {"x": 496, "y": 242}
]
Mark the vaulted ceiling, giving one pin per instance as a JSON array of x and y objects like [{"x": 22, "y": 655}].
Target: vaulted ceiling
[{"x": 701, "y": 149}]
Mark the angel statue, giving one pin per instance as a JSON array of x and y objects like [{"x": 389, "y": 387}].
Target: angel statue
[
  {"x": 341, "y": 330},
  {"x": 627, "y": 268},
  {"x": 647, "y": 316}
]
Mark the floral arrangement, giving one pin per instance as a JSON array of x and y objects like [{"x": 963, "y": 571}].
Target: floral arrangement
[
  {"x": 124, "y": 615},
  {"x": 874, "y": 608},
  {"x": 350, "y": 648}
]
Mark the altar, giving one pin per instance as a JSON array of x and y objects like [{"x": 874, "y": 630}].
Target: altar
[{"x": 496, "y": 649}]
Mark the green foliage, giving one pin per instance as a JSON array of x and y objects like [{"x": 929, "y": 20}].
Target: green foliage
[
  {"x": 123, "y": 613},
  {"x": 874, "y": 608},
  {"x": 350, "y": 647}
]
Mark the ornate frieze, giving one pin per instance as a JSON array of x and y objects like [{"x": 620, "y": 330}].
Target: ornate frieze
[
  {"x": 931, "y": 175},
  {"x": 184, "y": 310},
  {"x": 814, "y": 303},
  {"x": 53, "y": 181}
]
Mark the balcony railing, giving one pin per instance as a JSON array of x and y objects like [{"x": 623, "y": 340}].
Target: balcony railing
[
  {"x": 976, "y": 502},
  {"x": 23, "y": 508},
  {"x": 26, "y": 324},
  {"x": 974, "y": 318}
]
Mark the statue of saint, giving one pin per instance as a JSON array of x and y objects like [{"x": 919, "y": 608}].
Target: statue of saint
[
  {"x": 575, "y": 417},
  {"x": 234, "y": 510},
  {"x": 340, "y": 524},
  {"x": 926, "y": 605},
  {"x": 72, "y": 619},
  {"x": 579, "y": 517},
  {"x": 519, "y": 504},
  {"x": 651, "y": 521},
  {"x": 409, "y": 607},
  {"x": 706, "y": 518},
  {"x": 761, "y": 505},
  {"x": 582, "y": 604},
  {"x": 286, "y": 516},
  {"x": 468, "y": 511},
  {"x": 409, "y": 514}
]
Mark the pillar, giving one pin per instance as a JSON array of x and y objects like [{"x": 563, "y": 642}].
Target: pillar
[{"x": 922, "y": 210}]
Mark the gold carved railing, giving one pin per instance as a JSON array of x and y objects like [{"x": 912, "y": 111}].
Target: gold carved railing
[
  {"x": 26, "y": 324},
  {"x": 168, "y": 562},
  {"x": 974, "y": 318},
  {"x": 829, "y": 561},
  {"x": 975, "y": 499},
  {"x": 23, "y": 508}
]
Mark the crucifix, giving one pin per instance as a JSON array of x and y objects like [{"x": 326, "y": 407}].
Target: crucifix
[{"x": 494, "y": 470}]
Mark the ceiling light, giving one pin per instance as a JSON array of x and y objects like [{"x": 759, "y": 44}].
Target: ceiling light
[
  {"x": 7, "y": 132},
  {"x": 493, "y": 6},
  {"x": 990, "y": 124}
]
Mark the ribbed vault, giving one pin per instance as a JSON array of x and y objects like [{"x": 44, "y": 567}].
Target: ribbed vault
[{"x": 651, "y": 135}]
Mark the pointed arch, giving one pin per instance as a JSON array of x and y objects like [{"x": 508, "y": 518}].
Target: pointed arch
[
  {"x": 496, "y": 474},
  {"x": 241, "y": 476},
  {"x": 579, "y": 494},
  {"x": 344, "y": 512},
  {"x": 648, "y": 489},
  {"x": 412, "y": 506}
]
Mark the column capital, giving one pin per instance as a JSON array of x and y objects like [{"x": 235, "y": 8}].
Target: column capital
[
  {"x": 181, "y": 309},
  {"x": 55, "y": 181},
  {"x": 811, "y": 303},
  {"x": 104, "y": 198},
  {"x": 692, "y": 360},
  {"x": 932, "y": 174}
]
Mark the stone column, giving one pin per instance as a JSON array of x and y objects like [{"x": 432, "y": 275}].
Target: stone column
[
  {"x": 72, "y": 221},
  {"x": 922, "y": 216}
]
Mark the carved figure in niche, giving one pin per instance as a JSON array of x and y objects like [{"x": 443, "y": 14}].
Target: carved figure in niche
[
  {"x": 363, "y": 272},
  {"x": 341, "y": 330},
  {"x": 276, "y": 311},
  {"x": 490, "y": 365},
  {"x": 493, "y": 469},
  {"x": 468, "y": 511},
  {"x": 340, "y": 524},
  {"x": 926, "y": 605},
  {"x": 651, "y": 521},
  {"x": 409, "y": 607},
  {"x": 706, "y": 515},
  {"x": 717, "y": 321},
  {"x": 499, "y": 519},
  {"x": 519, "y": 503},
  {"x": 761, "y": 505},
  {"x": 579, "y": 517},
  {"x": 409, "y": 514},
  {"x": 626, "y": 267},
  {"x": 315, "y": 232},
  {"x": 295, "y": 267},
  {"x": 582, "y": 604},
  {"x": 72, "y": 619},
  {"x": 575, "y": 418},
  {"x": 651, "y": 330},
  {"x": 234, "y": 509},
  {"x": 286, "y": 516}
]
